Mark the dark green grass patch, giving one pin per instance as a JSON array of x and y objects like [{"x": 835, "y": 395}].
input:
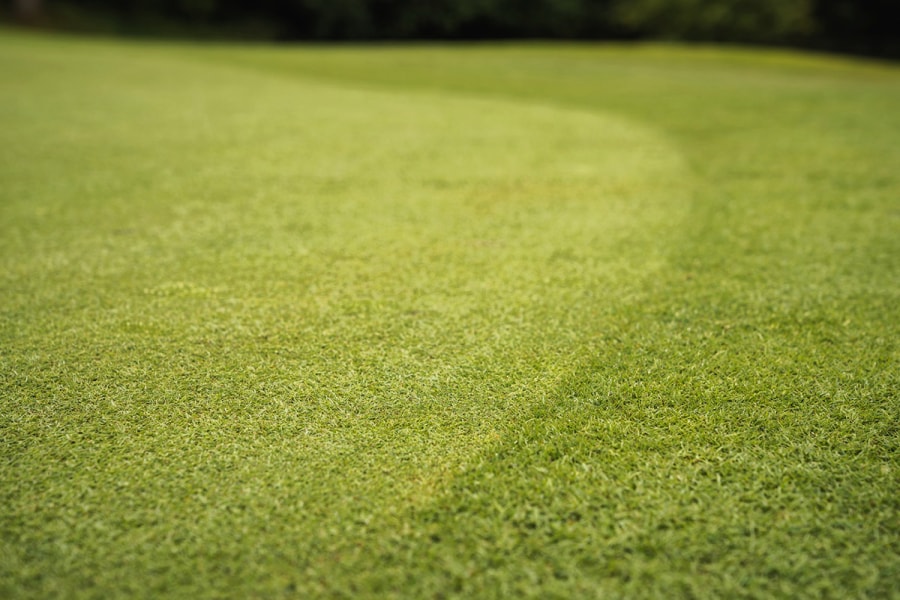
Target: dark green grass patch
[{"x": 429, "y": 322}]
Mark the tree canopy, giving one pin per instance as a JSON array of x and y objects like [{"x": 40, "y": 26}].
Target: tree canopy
[{"x": 867, "y": 26}]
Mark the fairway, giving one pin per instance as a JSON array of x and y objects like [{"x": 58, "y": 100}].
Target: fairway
[{"x": 511, "y": 320}]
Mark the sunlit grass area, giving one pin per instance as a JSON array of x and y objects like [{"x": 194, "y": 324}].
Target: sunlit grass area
[{"x": 434, "y": 321}]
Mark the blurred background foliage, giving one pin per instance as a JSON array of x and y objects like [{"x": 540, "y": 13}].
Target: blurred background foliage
[{"x": 859, "y": 26}]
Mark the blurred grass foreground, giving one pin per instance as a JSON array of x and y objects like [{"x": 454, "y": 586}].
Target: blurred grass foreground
[{"x": 432, "y": 321}]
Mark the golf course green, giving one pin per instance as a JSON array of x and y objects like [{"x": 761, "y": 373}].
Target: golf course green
[{"x": 437, "y": 321}]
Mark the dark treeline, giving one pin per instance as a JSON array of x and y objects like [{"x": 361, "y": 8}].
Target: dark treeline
[{"x": 861, "y": 26}]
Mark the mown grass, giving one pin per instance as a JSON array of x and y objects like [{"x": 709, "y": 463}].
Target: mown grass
[{"x": 424, "y": 321}]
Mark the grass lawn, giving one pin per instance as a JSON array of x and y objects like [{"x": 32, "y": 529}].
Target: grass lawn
[{"x": 513, "y": 320}]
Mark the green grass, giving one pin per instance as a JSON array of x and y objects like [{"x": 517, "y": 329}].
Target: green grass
[{"x": 433, "y": 321}]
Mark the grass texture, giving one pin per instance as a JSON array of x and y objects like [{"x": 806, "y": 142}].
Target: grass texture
[{"x": 429, "y": 321}]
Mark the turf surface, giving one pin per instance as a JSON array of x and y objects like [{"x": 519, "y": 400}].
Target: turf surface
[{"x": 424, "y": 321}]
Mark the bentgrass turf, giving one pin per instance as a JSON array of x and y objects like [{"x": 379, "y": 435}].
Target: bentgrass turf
[{"x": 514, "y": 320}]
